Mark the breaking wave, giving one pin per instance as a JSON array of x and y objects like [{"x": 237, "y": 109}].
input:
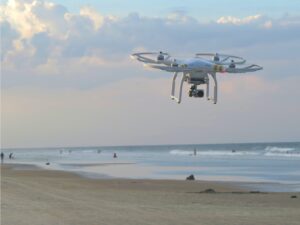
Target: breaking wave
[
  {"x": 278, "y": 149},
  {"x": 181, "y": 152},
  {"x": 287, "y": 154},
  {"x": 272, "y": 151},
  {"x": 212, "y": 153},
  {"x": 281, "y": 152}
]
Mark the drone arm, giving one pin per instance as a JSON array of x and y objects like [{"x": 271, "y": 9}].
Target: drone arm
[{"x": 168, "y": 68}]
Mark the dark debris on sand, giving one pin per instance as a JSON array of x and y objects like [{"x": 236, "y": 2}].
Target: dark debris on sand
[{"x": 212, "y": 191}]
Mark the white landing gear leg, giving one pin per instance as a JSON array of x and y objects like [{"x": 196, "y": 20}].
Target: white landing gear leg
[
  {"x": 207, "y": 88},
  {"x": 173, "y": 86},
  {"x": 215, "y": 98},
  {"x": 178, "y": 100},
  {"x": 215, "y": 88}
]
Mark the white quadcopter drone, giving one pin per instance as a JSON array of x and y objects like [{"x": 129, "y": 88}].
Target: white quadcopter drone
[{"x": 196, "y": 71}]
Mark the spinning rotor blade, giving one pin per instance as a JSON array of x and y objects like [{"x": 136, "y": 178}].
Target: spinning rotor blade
[
  {"x": 224, "y": 59},
  {"x": 235, "y": 59},
  {"x": 150, "y": 53},
  {"x": 142, "y": 57},
  {"x": 207, "y": 54},
  {"x": 251, "y": 68}
]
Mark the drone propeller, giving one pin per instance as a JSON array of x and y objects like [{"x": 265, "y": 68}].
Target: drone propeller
[
  {"x": 161, "y": 57},
  {"x": 222, "y": 59},
  {"x": 251, "y": 68}
]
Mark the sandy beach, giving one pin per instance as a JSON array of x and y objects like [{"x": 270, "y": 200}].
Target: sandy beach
[{"x": 41, "y": 197}]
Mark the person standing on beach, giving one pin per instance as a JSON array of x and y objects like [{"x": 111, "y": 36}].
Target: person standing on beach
[
  {"x": 195, "y": 151},
  {"x": 2, "y": 157}
]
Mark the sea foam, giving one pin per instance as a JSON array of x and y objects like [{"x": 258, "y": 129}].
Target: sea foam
[{"x": 278, "y": 149}]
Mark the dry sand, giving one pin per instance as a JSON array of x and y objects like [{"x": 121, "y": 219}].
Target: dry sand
[{"x": 52, "y": 198}]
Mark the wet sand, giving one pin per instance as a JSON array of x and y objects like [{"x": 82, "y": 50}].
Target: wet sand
[{"x": 44, "y": 197}]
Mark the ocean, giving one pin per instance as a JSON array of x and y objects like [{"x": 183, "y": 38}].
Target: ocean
[{"x": 265, "y": 166}]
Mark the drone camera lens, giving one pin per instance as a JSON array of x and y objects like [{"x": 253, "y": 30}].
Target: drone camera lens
[{"x": 200, "y": 93}]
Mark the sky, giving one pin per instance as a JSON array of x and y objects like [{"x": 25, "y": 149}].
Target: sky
[
  {"x": 67, "y": 78},
  {"x": 204, "y": 10}
]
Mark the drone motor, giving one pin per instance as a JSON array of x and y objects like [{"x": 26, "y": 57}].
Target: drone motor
[
  {"x": 216, "y": 57},
  {"x": 160, "y": 57}
]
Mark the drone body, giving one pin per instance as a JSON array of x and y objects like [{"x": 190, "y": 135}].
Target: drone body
[{"x": 196, "y": 71}]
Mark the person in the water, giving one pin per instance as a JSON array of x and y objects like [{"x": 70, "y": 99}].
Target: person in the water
[{"x": 2, "y": 157}]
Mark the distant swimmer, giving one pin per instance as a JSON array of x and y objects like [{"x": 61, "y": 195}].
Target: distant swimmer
[
  {"x": 233, "y": 151},
  {"x": 195, "y": 151},
  {"x": 98, "y": 151},
  {"x": 2, "y": 157},
  {"x": 115, "y": 155}
]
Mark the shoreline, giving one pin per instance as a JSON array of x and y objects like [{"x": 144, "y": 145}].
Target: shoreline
[
  {"x": 235, "y": 186},
  {"x": 31, "y": 168},
  {"x": 110, "y": 169}
]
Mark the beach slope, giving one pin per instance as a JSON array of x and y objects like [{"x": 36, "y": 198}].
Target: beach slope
[{"x": 30, "y": 197}]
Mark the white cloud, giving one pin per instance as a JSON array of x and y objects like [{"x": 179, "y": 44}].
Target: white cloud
[
  {"x": 19, "y": 14},
  {"x": 56, "y": 33},
  {"x": 97, "y": 19},
  {"x": 268, "y": 24},
  {"x": 238, "y": 21},
  {"x": 44, "y": 38}
]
